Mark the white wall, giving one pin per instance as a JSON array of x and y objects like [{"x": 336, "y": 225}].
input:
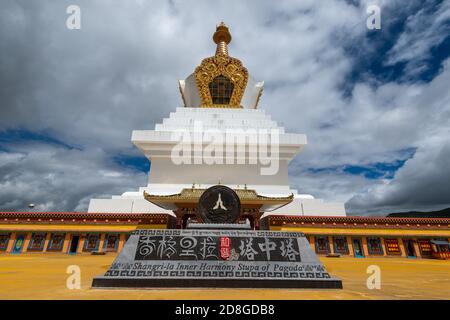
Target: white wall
[
  {"x": 310, "y": 207},
  {"x": 125, "y": 206}
]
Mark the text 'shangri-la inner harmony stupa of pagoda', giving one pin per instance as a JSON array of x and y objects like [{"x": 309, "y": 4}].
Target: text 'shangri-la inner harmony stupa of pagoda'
[{"x": 220, "y": 97}]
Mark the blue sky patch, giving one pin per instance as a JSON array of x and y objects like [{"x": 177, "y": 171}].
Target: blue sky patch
[
  {"x": 371, "y": 54},
  {"x": 377, "y": 170},
  {"x": 138, "y": 163},
  {"x": 15, "y": 136}
]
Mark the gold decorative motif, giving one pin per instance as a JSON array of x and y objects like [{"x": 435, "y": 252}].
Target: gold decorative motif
[{"x": 221, "y": 65}]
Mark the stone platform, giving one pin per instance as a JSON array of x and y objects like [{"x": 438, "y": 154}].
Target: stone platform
[{"x": 216, "y": 259}]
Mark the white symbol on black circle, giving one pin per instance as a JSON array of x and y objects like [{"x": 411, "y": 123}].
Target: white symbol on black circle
[{"x": 219, "y": 203}]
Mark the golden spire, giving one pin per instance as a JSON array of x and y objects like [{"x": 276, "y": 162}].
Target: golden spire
[
  {"x": 221, "y": 80},
  {"x": 222, "y": 37}
]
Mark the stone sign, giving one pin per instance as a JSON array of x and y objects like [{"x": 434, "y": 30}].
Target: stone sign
[{"x": 217, "y": 258}]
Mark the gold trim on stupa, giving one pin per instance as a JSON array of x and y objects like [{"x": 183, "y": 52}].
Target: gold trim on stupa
[{"x": 221, "y": 64}]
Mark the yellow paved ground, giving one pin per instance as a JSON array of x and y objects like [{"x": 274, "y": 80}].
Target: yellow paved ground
[{"x": 39, "y": 276}]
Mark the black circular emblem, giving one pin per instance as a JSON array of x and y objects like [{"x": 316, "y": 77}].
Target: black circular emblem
[{"x": 219, "y": 204}]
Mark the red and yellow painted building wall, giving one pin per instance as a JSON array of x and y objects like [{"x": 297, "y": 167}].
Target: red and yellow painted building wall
[
  {"x": 72, "y": 232},
  {"x": 77, "y": 233},
  {"x": 369, "y": 236}
]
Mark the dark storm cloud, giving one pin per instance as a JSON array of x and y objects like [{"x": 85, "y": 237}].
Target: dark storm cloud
[
  {"x": 57, "y": 178},
  {"x": 86, "y": 85}
]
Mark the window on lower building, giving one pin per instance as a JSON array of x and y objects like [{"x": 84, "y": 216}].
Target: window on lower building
[
  {"x": 322, "y": 245},
  {"x": 91, "y": 242},
  {"x": 425, "y": 247},
  {"x": 37, "y": 242},
  {"x": 340, "y": 245},
  {"x": 56, "y": 242},
  {"x": 374, "y": 246},
  {"x": 111, "y": 242},
  {"x": 4, "y": 240},
  {"x": 392, "y": 247}
]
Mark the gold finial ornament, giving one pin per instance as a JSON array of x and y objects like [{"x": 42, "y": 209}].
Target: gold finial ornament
[
  {"x": 222, "y": 37},
  {"x": 221, "y": 80}
]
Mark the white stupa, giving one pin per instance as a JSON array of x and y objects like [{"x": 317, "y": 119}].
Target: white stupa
[{"x": 218, "y": 137}]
